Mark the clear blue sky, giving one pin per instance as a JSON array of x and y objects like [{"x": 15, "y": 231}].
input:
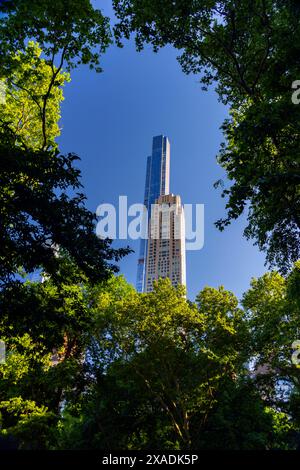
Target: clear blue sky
[{"x": 109, "y": 120}]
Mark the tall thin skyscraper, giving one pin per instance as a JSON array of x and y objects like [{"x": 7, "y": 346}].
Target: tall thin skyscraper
[
  {"x": 163, "y": 253},
  {"x": 157, "y": 184},
  {"x": 166, "y": 244}
]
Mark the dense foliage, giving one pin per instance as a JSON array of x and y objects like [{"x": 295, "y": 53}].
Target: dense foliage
[{"x": 107, "y": 368}]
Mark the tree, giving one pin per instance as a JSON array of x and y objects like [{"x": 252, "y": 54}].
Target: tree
[
  {"x": 251, "y": 50},
  {"x": 38, "y": 215},
  {"x": 23, "y": 418},
  {"x": 41, "y": 207},
  {"x": 144, "y": 371},
  {"x": 46, "y": 327},
  {"x": 239, "y": 421},
  {"x": 21, "y": 115},
  {"x": 159, "y": 367},
  {"x": 45, "y": 225},
  {"x": 66, "y": 31},
  {"x": 272, "y": 306}
]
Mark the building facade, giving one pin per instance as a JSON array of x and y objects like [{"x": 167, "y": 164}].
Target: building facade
[
  {"x": 157, "y": 184},
  {"x": 166, "y": 243}
]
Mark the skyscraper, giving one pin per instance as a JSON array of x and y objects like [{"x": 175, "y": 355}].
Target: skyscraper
[
  {"x": 157, "y": 184},
  {"x": 166, "y": 244},
  {"x": 163, "y": 253}
]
